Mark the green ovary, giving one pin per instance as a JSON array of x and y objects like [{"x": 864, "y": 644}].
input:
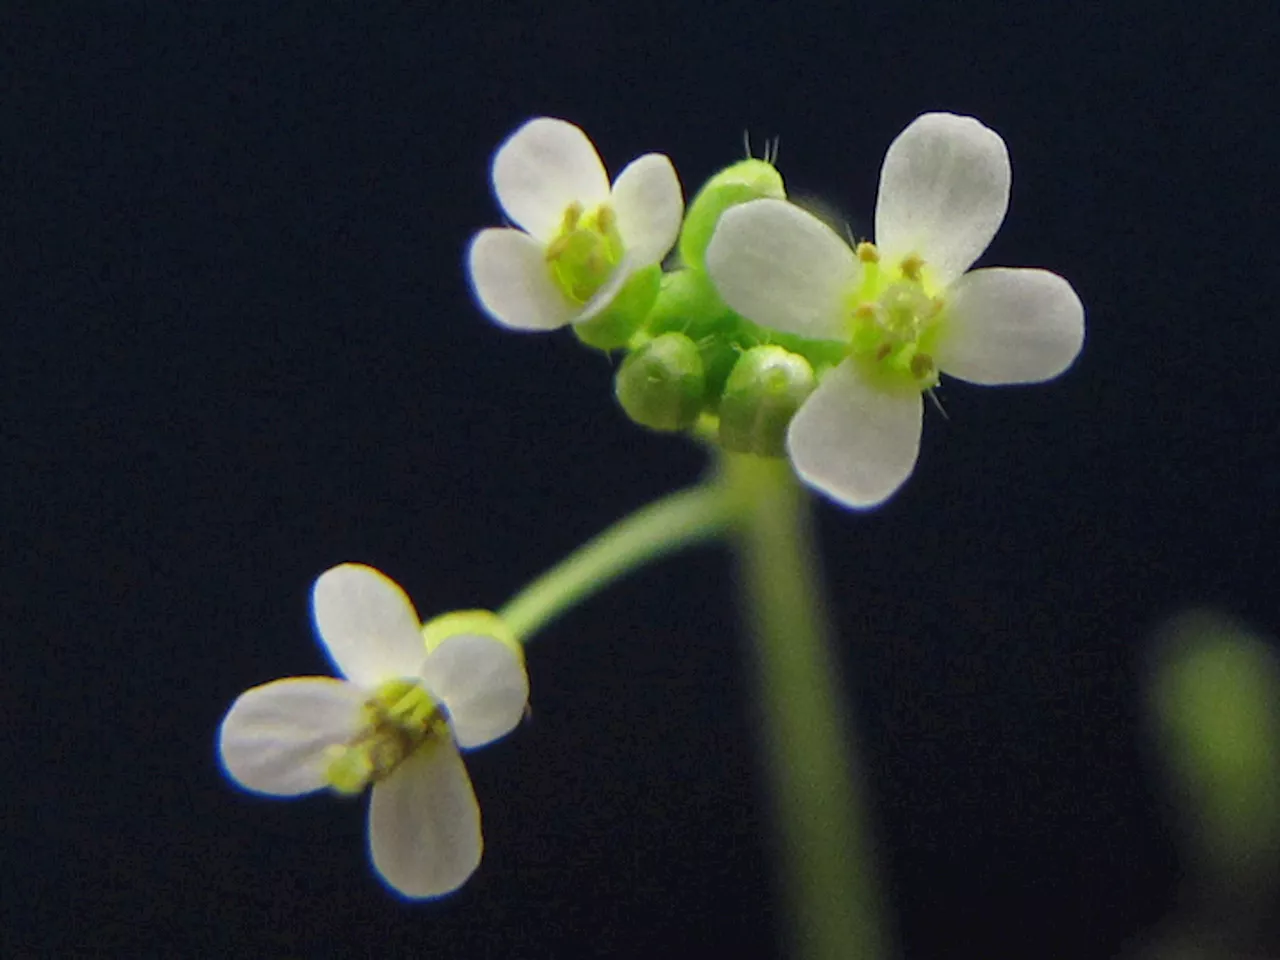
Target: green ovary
[
  {"x": 585, "y": 251},
  {"x": 400, "y": 717},
  {"x": 895, "y": 323}
]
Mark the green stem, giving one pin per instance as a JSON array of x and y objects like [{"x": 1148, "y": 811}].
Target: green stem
[
  {"x": 664, "y": 526},
  {"x": 809, "y": 751},
  {"x": 810, "y": 754}
]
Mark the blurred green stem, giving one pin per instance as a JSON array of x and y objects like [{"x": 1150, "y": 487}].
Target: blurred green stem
[{"x": 809, "y": 750}]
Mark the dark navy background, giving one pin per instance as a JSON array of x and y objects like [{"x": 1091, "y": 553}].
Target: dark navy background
[{"x": 239, "y": 348}]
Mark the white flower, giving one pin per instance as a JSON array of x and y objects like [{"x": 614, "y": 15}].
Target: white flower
[
  {"x": 396, "y": 721},
  {"x": 905, "y": 308},
  {"x": 579, "y": 239}
]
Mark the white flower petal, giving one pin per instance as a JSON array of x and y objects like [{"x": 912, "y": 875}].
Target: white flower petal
[
  {"x": 424, "y": 823},
  {"x": 1008, "y": 325},
  {"x": 944, "y": 190},
  {"x": 367, "y": 624},
  {"x": 855, "y": 442},
  {"x": 483, "y": 684},
  {"x": 783, "y": 268},
  {"x": 274, "y": 737},
  {"x": 542, "y": 168},
  {"x": 511, "y": 279},
  {"x": 650, "y": 206}
]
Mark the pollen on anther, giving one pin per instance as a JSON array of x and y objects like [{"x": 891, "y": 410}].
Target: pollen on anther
[
  {"x": 911, "y": 266},
  {"x": 867, "y": 252}
]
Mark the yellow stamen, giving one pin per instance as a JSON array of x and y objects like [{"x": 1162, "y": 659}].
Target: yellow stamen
[{"x": 398, "y": 719}]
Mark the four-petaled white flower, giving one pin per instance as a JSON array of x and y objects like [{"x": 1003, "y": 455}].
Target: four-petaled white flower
[
  {"x": 905, "y": 307},
  {"x": 395, "y": 722},
  {"x": 579, "y": 240}
]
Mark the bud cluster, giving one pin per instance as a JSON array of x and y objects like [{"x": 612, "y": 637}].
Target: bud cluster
[{"x": 692, "y": 362}]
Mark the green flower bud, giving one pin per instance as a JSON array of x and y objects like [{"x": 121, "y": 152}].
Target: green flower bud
[
  {"x": 661, "y": 385},
  {"x": 746, "y": 180},
  {"x": 613, "y": 327},
  {"x": 763, "y": 392},
  {"x": 689, "y": 304}
]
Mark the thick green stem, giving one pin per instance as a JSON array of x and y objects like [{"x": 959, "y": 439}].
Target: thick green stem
[
  {"x": 676, "y": 521},
  {"x": 809, "y": 751},
  {"x": 829, "y": 880}
]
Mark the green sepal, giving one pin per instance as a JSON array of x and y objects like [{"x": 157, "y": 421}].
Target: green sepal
[
  {"x": 763, "y": 392},
  {"x": 746, "y": 180},
  {"x": 613, "y": 327},
  {"x": 472, "y": 622},
  {"x": 661, "y": 385}
]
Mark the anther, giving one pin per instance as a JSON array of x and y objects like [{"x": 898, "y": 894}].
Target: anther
[
  {"x": 556, "y": 248},
  {"x": 572, "y": 214},
  {"x": 921, "y": 366},
  {"x": 911, "y": 266}
]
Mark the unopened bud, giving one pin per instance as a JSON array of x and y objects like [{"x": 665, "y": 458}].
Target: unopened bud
[
  {"x": 763, "y": 392},
  {"x": 746, "y": 180},
  {"x": 661, "y": 385}
]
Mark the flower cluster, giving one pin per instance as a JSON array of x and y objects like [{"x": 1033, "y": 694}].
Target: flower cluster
[
  {"x": 411, "y": 698},
  {"x": 773, "y": 335},
  {"x": 769, "y": 335}
]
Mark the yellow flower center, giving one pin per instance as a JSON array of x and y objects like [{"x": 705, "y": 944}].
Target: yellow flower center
[
  {"x": 400, "y": 718},
  {"x": 585, "y": 251},
  {"x": 895, "y": 318}
]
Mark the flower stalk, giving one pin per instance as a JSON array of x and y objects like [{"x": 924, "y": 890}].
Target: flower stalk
[
  {"x": 810, "y": 756},
  {"x": 676, "y": 521}
]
